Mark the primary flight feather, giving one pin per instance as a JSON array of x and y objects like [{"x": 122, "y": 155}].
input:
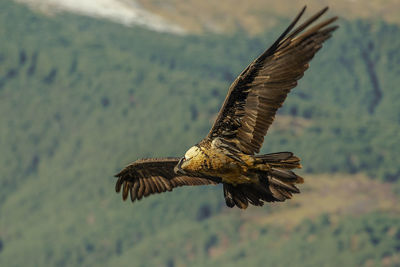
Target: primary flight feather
[{"x": 226, "y": 154}]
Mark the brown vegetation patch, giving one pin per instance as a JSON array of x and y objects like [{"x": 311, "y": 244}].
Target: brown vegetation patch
[{"x": 335, "y": 195}]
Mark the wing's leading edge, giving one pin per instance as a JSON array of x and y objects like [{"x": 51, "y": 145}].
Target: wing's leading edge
[
  {"x": 260, "y": 90},
  {"x": 150, "y": 176}
]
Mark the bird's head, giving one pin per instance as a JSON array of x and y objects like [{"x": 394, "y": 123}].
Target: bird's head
[{"x": 184, "y": 163}]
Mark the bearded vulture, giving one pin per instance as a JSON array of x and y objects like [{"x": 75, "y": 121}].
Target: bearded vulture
[{"x": 227, "y": 154}]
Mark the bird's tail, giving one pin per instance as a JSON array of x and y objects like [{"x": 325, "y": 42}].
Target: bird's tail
[
  {"x": 281, "y": 160},
  {"x": 276, "y": 181}
]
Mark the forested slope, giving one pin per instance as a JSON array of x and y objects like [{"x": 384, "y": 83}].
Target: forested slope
[{"x": 80, "y": 98}]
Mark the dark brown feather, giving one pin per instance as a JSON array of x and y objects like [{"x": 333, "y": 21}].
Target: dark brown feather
[
  {"x": 125, "y": 191},
  {"x": 140, "y": 189},
  {"x": 134, "y": 190},
  {"x": 150, "y": 176},
  {"x": 256, "y": 94},
  {"x": 118, "y": 185}
]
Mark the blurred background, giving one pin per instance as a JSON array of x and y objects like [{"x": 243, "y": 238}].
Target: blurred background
[{"x": 88, "y": 86}]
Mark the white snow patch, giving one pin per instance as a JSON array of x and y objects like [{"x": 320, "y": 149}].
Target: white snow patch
[{"x": 126, "y": 12}]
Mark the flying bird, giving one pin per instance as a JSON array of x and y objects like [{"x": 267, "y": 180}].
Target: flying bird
[{"x": 227, "y": 154}]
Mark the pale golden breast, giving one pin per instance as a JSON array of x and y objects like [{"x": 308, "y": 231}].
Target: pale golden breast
[{"x": 215, "y": 163}]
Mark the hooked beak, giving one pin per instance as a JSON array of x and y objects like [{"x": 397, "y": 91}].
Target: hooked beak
[{"x": 178, "y": 167}]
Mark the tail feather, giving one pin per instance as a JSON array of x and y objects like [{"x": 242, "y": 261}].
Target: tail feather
[
  {"x": 277, "y": 193},
  {"x": 275, "y": 157},
  {"x": 283, "y": 174},
  {"x": 289, "y": 187},
  {"x": 286, "y": 176},
  {"x": 228, "y": 195},
  {"x": 285, "y": 160},
  {"x": 234, "y": 196},
  {"x": 276, "y": 181}
]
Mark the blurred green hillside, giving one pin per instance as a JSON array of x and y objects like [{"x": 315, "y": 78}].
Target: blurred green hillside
[
  {"x": 254, "y": 16},
  {"x": 80, "y": 98}
]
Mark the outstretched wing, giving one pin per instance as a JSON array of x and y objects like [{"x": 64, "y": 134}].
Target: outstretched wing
[
  {"x": 255, "y": 96},
  {"x": 149, "y": 176}
]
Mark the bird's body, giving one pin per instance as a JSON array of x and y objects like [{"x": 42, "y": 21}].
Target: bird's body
[
  {"x": 213, "y": 160},
  {"x": 227, "y": 154}
]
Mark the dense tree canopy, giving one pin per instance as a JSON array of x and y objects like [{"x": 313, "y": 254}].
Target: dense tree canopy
[{"x": 80, "y": 98}]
